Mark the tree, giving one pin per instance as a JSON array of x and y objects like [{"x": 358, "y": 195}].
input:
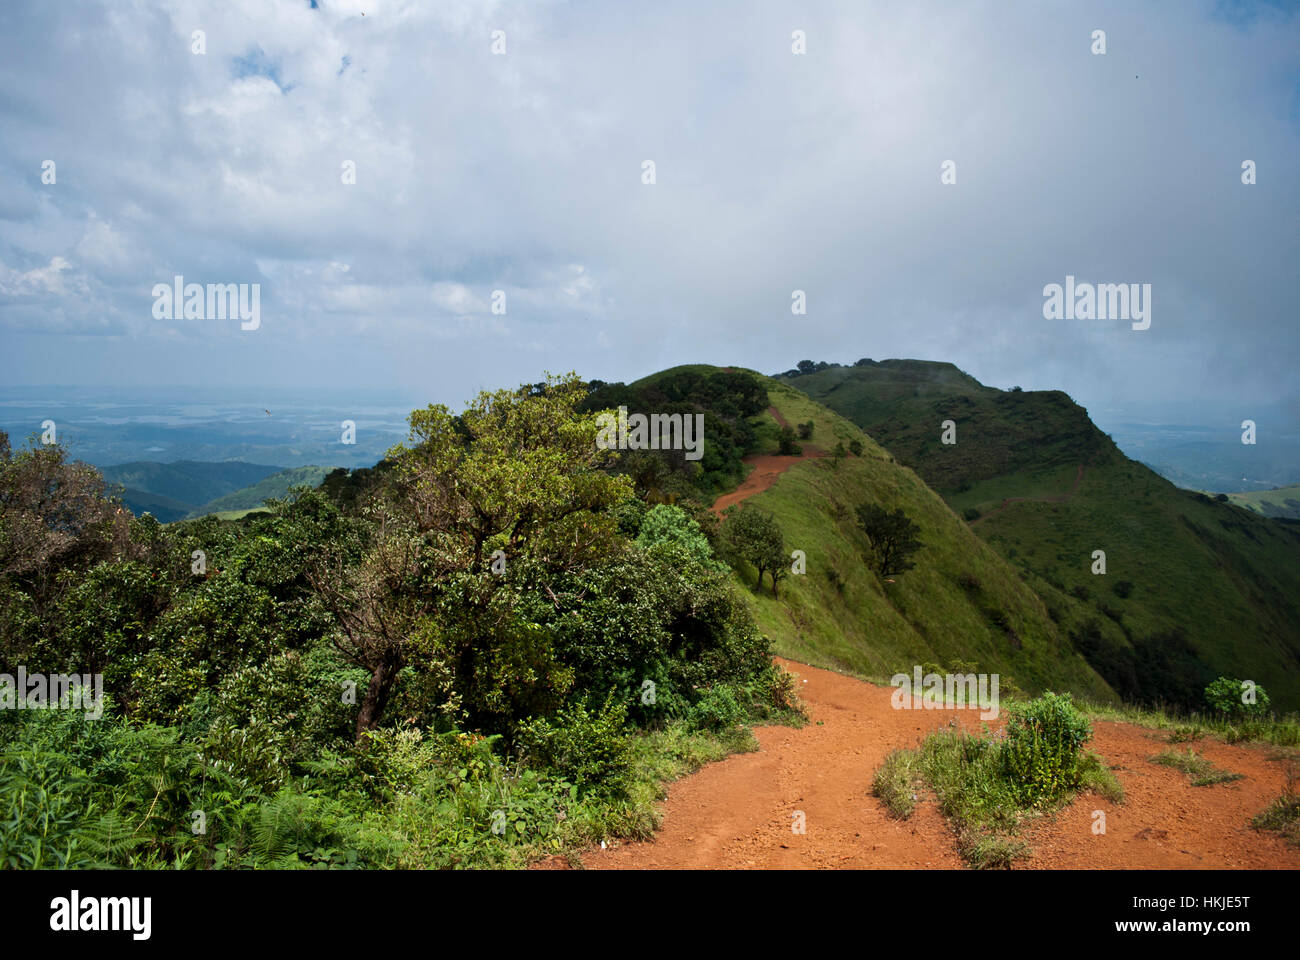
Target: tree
[
  {"x": 838, "y": 454},
  {"x": 519, "y": 471},
  {"x": 54, "y": 519},
  {"x": 750, "y": 535},
  {"x": 806, "y": 430},
  {"x": 788, "y": 446},
  {"x": 892, "y": 537},
  {"x": 673, "y": 525},
  {"x": 855, "y": 447}
]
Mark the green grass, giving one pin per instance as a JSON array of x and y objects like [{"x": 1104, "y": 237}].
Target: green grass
[
  {"x": 1282, "y": 816},
  {"x": 1198, "y": 769},
  {"x": 964, "y": 772},
  {"x": 1194, "y": 588},
  {"x": 1279, "y": 502},
  {"x": 840, "y": 615},
  {"x": 1185, "y": 727}
]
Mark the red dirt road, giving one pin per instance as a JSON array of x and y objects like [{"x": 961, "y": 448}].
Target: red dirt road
[
  {"x": 739, "y": 813},
  {"x": 766, "y": 467}
]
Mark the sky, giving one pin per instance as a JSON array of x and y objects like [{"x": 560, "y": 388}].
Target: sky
[{"x": 521, "y": 169}]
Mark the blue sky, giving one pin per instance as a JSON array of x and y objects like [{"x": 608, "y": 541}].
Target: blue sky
[{"x": 521, "y": 172}]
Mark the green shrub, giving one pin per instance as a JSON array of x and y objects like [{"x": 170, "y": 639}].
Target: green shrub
[
  {"x": 586, "y": 747},
  {"x": 1225, "y": 697},
  {"x": 717, "y": 710},
  {"x": 1043, "y": 747}
]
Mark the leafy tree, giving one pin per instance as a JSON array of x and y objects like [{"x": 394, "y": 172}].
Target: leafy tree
[
  {"x": 788, "y": 446},
  {"x": 806, "y": 430},
  {"x": 669, "y": 524},
  {"x": 892, "y": 537},
  {"x": 750, "y": 535},
  {"x": 518, "y": 471},
  {"x": 855, "y": 447},
  {"x": 838, "y": 455}
]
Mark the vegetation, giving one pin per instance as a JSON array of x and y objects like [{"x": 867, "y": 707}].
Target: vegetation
[
  {"x": 1200, "y": 587},
  {"x": 1199, "y": 770},
  {"x": 988, "y": 786},
  {"x": 485, "y": 650},
  {"x": 892, "y": 537},
  {"x": 751, "y": 537}
]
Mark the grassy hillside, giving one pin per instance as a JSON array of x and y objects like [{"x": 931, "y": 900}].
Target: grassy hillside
[
  {"x": 252, "y": 497},
  {"x": 1193, "y": 588},
  {"x": 1281, "y": 502},
  {"x": 961, "y": 602}
]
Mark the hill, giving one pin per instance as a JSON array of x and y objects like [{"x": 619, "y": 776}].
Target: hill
[
  {"x": 1192, "y": 588},
  {"x": 171, "y": 491},
  {"x": 274, "y": 486},
  {"x": 963, "y": 604},
  {"x": 1281, "y": 502}
]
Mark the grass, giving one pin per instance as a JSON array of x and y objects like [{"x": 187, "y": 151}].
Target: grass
[
  {"x": 1198, "y": 769},
  {"x": 841, "y": 616},
  {"x": 965, "y": 774},
  {"x": 1176, "y": 560},
  {"x": 1282, "y": 816},
  {"x": 1185, "y": 727}
]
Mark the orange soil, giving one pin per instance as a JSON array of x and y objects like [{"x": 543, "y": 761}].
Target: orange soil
[
  {"x": 739, "y": 813},
  {"x": 766, "y": 467}
]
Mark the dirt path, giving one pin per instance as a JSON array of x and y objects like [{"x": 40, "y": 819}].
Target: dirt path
[
  {"x": 1054, "y": 498},
  {"x": 765, "y": 468},
  {"x": 739, "y": 813}
]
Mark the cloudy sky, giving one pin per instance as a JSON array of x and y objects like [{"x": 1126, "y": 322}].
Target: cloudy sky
[{"x": 522, "y": 172}]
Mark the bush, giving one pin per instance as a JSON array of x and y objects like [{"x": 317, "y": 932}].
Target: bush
[
  {"x": 1225, "y": 697},
  {"x": 717, "y": 710},
  {"x": 1043, "y": 748},
  {"x": 855, "y": 447},
  {"x": 788, "y": 446},
  {"x": 587, "y": 747},
  {"x": 971, "y": 514}
]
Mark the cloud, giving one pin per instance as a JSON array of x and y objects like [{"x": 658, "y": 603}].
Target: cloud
[{"x": 476, "y": 172}]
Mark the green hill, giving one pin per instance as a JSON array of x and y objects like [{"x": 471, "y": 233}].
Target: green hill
[
  {"x": 171, "y": 491},
  {"x": 252, "y": 497},
  {"x": 962, "y": 602},
  {"x": 1281, "y": 502},
  {"x": 1193, "y": 588}
]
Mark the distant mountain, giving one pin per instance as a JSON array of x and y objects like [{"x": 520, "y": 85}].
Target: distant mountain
[
  {"x": 276, "y": 485},
  {"x": 1193, "y": 587},
  {"x": 171, "y": 491}
]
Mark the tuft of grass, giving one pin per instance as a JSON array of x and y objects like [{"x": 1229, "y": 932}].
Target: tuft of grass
[
  {"x": 967, "y": 775},
  {"x": 1198, "y": 769},
  {"x": 897, "y": 782},
  {"x": 1282, "y": 816}
]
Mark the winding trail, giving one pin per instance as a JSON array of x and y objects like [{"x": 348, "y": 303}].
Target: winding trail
[
  {"x": 765, "y": 468},
  {"x": 740, "y": 813}
]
